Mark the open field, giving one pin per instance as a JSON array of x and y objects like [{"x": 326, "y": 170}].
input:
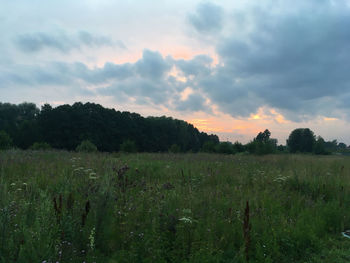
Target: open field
[{"x": 75, "y": 207}]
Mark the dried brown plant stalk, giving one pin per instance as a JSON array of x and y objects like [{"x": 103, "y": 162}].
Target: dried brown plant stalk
[{"x": 246, "y": 231}]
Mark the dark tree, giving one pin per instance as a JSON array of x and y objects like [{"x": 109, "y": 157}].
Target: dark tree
[
  {"x": 209, "y": 147},
  {"x": 342, "y": 145},
  {"x": 319, "y": 147},
  {"x": 226, "y": 148},
  {"x": 263, "y": 137},
  {"x": 5, "y": 141},
  {"x": 19, "y": 121},
  {"x": 66, "y": 126},
  {"x": 301, "y": 140},
  {"x": 262, "y": 144},
  {"x": 238, "y": 147}
]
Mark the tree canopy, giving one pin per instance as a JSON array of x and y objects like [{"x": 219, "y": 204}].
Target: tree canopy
[
  {"x": 301, "y": 140},
  {"x": 262, "y": 144},
  {"x": 66, "y": 126}
]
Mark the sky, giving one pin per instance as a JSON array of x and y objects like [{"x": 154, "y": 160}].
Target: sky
[{"x": 232, "y": 68}]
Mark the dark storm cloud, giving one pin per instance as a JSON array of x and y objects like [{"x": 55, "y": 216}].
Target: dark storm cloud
[
  {"x": 198, "y": 65},
  {"x": 147, "y": 81},
  {"x": 61, "y": 41},
  {"x": 194, "y": 102},
  {"x": 288, "y": 59},
  {"x": 208, "y": 18},
  {"x": 152, "y": 65},
  {"x": 109, "y": 72}
]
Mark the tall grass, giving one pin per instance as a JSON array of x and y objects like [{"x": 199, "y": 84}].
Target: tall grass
[{"x": 76, "y": 207}]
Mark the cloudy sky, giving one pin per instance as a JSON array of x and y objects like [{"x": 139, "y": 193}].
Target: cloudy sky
[{"x": 232, "y": 68}]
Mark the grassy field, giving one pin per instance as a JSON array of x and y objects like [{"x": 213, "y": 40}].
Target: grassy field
[{"x": 73, "y": 207}]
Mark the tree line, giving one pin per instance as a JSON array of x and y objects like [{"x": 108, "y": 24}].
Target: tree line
[
  {"x": 68, "y": 126},
  {"x": 301, "y": 140},
  {"x": 91, "y": 127}
]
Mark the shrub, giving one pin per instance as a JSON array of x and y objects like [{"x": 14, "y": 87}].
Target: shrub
[
  {"x": 238, "y": 147},
  {"x": 174, "y": 148},
  {"x": 209, "y": 147},
  {"x": 226, "y": 148},
  {"x": 128, "y": 146},
  {"x": 40, "y": 146},
  {"x": 86, "y": 146},
  {"x": 5, "y": 141}
]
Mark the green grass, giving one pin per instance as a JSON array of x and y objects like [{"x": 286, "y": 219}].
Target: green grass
[{"x": 76, "y": 207}]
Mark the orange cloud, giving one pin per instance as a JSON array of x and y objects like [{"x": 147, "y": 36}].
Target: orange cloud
[
  {"x": 267, "y": 115},
  {"x": 174, "y": 72},
  {"x": 330, "y": 119}
]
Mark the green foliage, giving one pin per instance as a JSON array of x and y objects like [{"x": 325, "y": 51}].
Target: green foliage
[
  {"x": 209, "y": 147},
  {"x": 282, "y": 149},
  {"x": 262, "y": 144},
  {"x": 301, "y": 140},
  {"x": 5, "y": 141},
  {"x": 64, "y": 127},
  {"x": 225, "y": 148},
  {"x": 19, "y": 122},
  {"x": 128, "y": 146},
  {"x": 86, "y": 146},
  {"x": 263, "y": 137},
  {"x": 174, "y": 148},
  {"x": 319, "y": 147},
  {"x": 40, "y": 146},
  {"x": 172, "y": 208},
  {"x": 238, "y": 147}
]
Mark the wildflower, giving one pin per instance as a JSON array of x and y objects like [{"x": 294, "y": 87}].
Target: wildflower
[
  {"x": 280, "y": 178},
  {"x": 92, "y": 238},
  {"x": 92, "y": 176},
  {"x": 186, "y": 220}
]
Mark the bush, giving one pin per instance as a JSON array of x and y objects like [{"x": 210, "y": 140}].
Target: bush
[
  {"x": 238, "y": 147},
  {"x": 128, "y": 146},
  {"x": 261, "y": 148},
  {"x": 225, "y": 148},
  {"x": 174, "y": 148},
  {"x": 209, "y": 147},
  {"x": 5, "y": 141},
  {"x": 40, "y": 146},
  {"x": 86, "y": 146}
]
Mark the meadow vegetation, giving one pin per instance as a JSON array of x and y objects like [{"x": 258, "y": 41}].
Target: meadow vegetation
[{"x": 59, "y": 206}]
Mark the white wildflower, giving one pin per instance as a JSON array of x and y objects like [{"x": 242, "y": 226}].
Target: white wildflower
[{"x": 186, "y": 220}]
